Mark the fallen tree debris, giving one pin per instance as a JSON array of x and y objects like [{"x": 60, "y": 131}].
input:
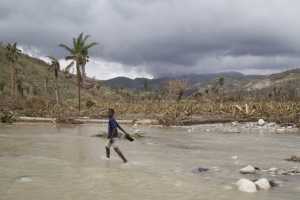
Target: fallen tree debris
[{"x": 294, "y": 158}]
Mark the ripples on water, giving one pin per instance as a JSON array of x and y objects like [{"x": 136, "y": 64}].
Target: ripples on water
[{"x": 43, "y": 161}]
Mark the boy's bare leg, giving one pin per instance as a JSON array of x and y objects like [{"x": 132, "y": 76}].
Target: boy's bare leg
[
  {"x": 107, "y": 152},
  {"x": 121, "y": 154}
]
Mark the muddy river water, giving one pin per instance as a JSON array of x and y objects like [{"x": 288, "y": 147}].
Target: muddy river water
[{"x": 44, "y": 161}]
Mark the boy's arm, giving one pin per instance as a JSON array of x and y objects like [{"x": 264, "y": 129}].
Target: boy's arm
[{"x": 122, "y": 129}]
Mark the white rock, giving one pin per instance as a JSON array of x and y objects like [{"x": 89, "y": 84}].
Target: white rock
[
  {"x": 234, "y": 123},
  {"x": 234, "y": 157},
  {"x": 273, "y": 169},
  {"x": 246, "y": 186},
  {"x": 261, "y": 122},
  {"x": 280, "y": 129},
  {"x": 248, "y": 170},
  {"x": 263, "y": 183},
  {"x": 271, "y": 124}
]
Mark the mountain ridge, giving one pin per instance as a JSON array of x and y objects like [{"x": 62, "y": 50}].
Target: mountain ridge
[{"x": 158, "y": 83}]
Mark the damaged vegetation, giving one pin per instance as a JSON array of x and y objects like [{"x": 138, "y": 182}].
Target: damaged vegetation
[{"x": 32, "y": 88}]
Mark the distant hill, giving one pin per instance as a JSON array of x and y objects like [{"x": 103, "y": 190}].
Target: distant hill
[
  {"x": 263, "y": 83},
  {"x": 33, "y": 71},
  {"x": 158, "y": 83}
]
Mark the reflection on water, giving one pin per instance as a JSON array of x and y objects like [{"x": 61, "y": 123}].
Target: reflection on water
[{"x": 43, "y": 161}]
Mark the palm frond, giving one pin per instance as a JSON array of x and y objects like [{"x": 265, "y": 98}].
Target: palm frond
[
  {"x": 90, "y": 45},
  {"x": 50, "y": 66},
  {"x": 85, "y": 38},
  {"x": 74, "y": 43},
  {"x": 70, "y": 58},
  {"x": 51, "y": 57},
  {"x": 66, "y": 48},
  {"x": 67, "y": 69}
]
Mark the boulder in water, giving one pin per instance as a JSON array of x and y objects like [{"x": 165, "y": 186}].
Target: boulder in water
[
  {"x": 273, "y": 169},
  {"x": 246, "y": 186},
  {"x": 263, "y": 183},
  {"x": 294, "y": 158},
  {"x": 271, "y": 124},
  {"x": 261, "y": 122},
  {"x": 234, "y": 123},
  {"x": 248, "y": 170}
]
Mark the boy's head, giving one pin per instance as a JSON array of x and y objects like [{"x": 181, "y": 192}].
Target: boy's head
[{"x": 110, "y": 112}]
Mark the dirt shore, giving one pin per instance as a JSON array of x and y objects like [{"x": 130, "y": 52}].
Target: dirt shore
[{"x": 145, "y": 119}]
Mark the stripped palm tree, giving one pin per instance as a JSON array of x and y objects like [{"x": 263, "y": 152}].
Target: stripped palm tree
[
  {"x": 122, "y": 87},
  {"x": 27, "y": 89},
  {"x": 79, "y": 53},
  {"x": 46, "y": 82},
  {"x": 2, "y": 84},
  {"x": 145, "y": 85},
  {"x": 55, "y": 64},
  {"x": 85, "y": 52},
  {"x": 67, "y": 69},
  {"x": 19, "y": 86},
  {"x": 98, "y": 86},
  {"x": 221, "y": 83},
  {"x": 12, "y": 56}
]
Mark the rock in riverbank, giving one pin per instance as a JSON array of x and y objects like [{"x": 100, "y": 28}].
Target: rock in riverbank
[
  {"x": 263, "y": 183},
  {"x": 248, "y": 170},
  {"x": 246, "y": 186}
]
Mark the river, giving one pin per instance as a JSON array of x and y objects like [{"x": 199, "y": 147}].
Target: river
[{"x": 44, "y": 161}]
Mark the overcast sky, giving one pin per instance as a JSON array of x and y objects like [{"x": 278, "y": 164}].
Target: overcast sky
[{"x": 148, "y": 38}]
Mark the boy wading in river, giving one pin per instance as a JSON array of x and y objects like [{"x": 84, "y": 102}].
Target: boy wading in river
[{"x": 113, "y": 135}]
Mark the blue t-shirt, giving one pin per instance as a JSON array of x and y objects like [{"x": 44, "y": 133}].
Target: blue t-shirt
[{"x": 112, "y": 123}]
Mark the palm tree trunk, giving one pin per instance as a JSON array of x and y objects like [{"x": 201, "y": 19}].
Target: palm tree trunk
[
  {"x": 45, "y": 89},
  {"x": 12, "y": 82},
  {"x": 170, "y": 92},
  {"x": 222, "y": 94},
  {"x": 56, "y": 91},
  {"x": 16, "y": 89},
  {"x": 79, "y": 95},
  {"x": 78, "y": 79},
  {"x": 84, "y": 82}
]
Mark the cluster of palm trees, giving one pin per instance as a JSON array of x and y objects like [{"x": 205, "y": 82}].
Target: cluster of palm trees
[
  {"x": 12, "y": 56},
  {"x": 78, "y": 53}
]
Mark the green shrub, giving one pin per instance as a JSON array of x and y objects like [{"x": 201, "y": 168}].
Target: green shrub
[{"x": 90, "y": 103}]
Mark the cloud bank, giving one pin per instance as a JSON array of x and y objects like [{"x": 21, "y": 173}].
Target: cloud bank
[{"x": 141, "y": 38}]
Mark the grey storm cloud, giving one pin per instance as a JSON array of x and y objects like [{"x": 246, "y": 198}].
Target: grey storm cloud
[{"x": 185, "y": 36}]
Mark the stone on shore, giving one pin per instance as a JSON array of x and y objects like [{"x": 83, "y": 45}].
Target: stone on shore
[
  {"x": 248, "y": 170},
  {"x": 271, "y": 124},
  {"x": 246, "y": 186},
  {"x": 273, "y": 169},
  {"x": 261, "y": 122},
  {"x": 263, "y": 183}
]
